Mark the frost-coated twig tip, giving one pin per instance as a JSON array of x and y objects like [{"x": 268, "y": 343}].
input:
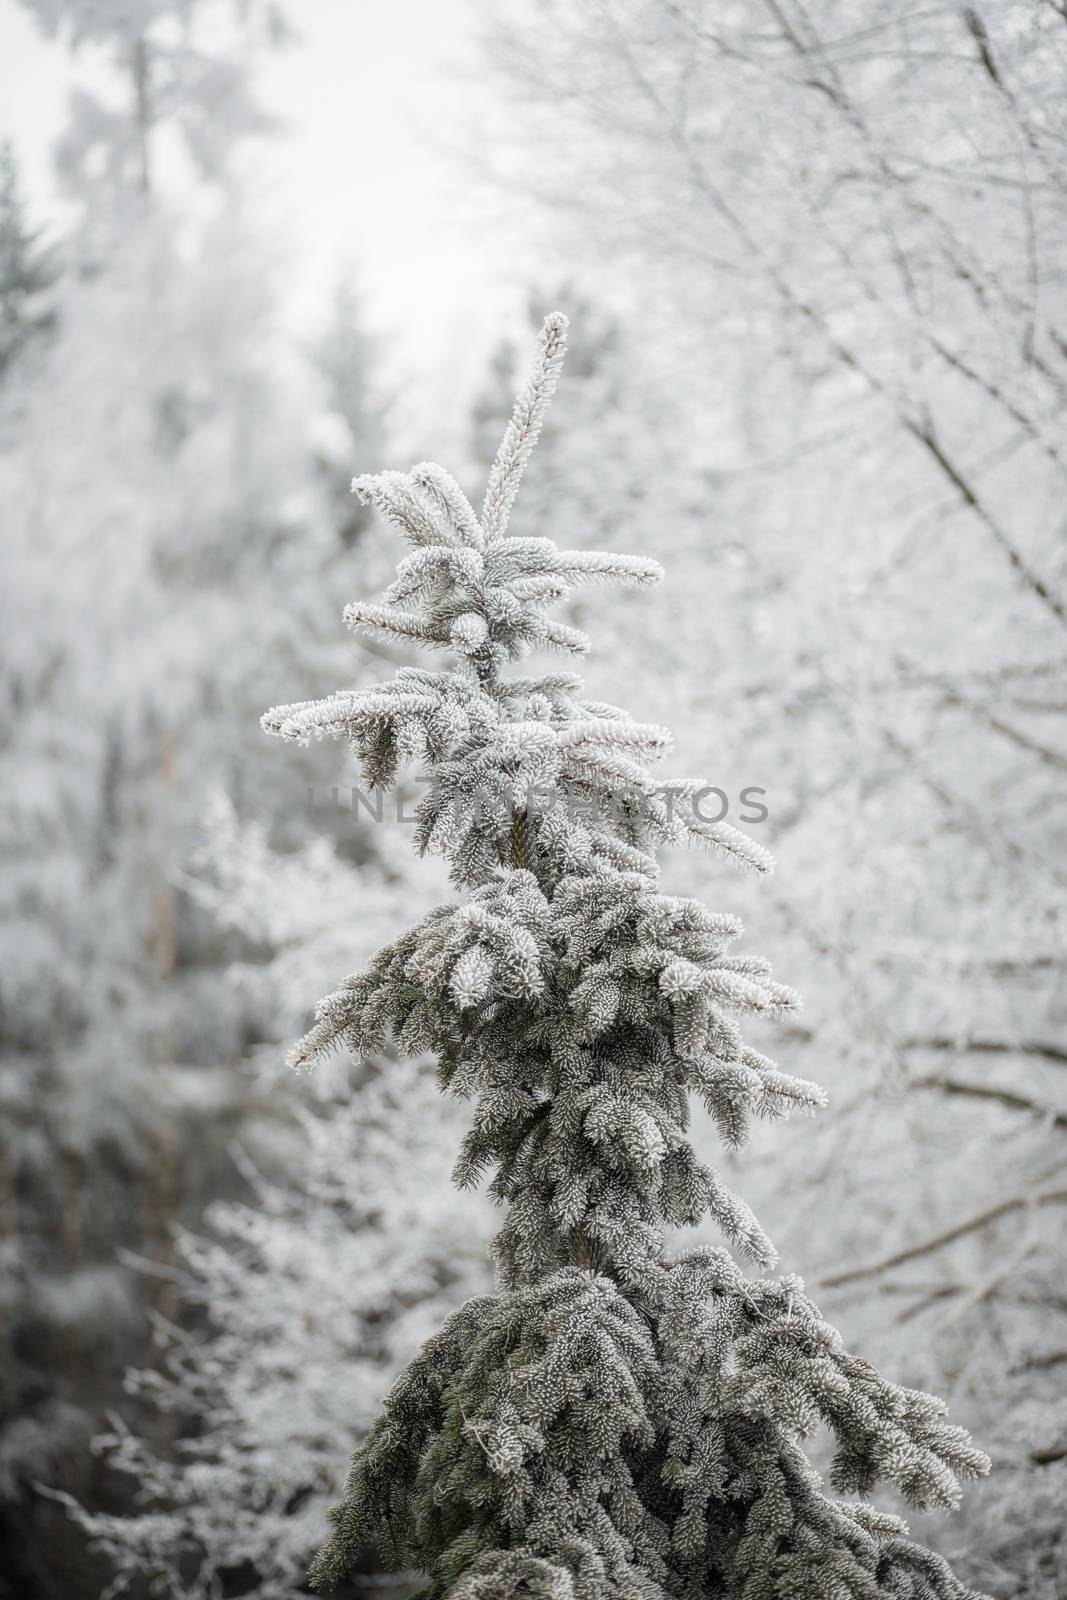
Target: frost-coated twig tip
[{"x": 524, "y": 429}]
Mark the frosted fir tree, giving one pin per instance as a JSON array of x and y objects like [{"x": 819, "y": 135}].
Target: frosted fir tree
[{"x": 612, "y": 1423}]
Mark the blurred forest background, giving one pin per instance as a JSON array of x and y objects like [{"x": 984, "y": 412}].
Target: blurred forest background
[{"x": 814, "y": 253}]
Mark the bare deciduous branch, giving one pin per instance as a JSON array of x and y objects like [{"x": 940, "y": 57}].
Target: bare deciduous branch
[
  {"x": 959, "y": 1230},
  {"x": 1004, "y": 1097}
]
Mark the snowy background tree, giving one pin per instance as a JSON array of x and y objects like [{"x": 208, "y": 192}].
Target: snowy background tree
[
  {"x": 158, "y": 463},
  {"x": 810, "y": 200}
]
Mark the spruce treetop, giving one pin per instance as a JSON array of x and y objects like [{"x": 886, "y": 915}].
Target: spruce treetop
[{"x": 613, "y": 1423}]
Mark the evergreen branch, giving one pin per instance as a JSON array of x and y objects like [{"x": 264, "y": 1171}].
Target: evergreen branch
[
  {"x": 592, "y": 565},
  {"x": 389, "y": 623},
  {"x": 445, "y": 494},
  {"x": 524, "y": 429}
]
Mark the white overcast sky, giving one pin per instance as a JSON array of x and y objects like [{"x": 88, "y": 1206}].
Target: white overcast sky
[{"x": 376, "y": 99}]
